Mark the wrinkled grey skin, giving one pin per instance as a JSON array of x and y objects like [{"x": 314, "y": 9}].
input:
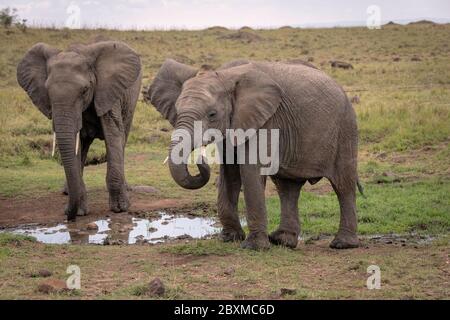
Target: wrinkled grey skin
[
  {"x": 318, "y": 138},
  {"x": 91, "y": 89}
]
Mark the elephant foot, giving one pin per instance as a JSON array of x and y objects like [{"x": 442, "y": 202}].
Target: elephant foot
[
  {"x": 232, "y": 235},
  {"x": 284, "y": 238},
  {"x": 345, "y": 241},
  {"x": 118, "y": 202},
  {"x": 72, "y": 213},
  {"x": 256, "y": 241}
]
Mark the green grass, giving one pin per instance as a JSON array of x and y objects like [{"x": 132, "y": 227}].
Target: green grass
[
  {"x": 9, "y": 238},
  {"x": 202, "y": 248},
  {"x": 421, "y": 207},
  {"x": 404, "y": 130},
  {"x": 405, "y": 106}
]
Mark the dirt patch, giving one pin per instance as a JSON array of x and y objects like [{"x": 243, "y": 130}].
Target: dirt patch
[
  {"x": 50, "y": 208},
  {"x": 310, "y": 271}
]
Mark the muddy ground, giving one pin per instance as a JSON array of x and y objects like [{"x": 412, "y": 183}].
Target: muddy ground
[
  {"x": 412, "y": 266},
  {"x": 49, "y": 209}
]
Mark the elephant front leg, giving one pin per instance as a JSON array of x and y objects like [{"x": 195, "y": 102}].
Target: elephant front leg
[
  {"x": 115, "y": 177},
  {"x": 82, "y": 208},
  {"x": 227, "y": 203},
  {"x": 256, "y": 208},
  {"x": 85, "y": 144}
]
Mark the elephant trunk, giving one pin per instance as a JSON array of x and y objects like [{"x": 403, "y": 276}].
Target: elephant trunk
[
  {"x": 180, "y": 172},
  {"x": 68, "y": 142}
]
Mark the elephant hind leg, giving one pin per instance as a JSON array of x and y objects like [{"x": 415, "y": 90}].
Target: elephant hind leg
[
  {"x": 289, "y": 228},
  {"x": 346, "y": 236}
]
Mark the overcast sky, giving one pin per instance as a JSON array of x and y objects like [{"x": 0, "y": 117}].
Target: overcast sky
[{"x": 163, "y": 14}]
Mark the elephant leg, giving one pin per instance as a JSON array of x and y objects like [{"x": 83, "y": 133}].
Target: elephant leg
[
  {"x": 85, "y": 144},
  {"x": 115, "y": 178},
  {"x": 289, "y": 229},
  {"x": 346, "y": 236},
  {"x": 256, "y": 208},
  {"x": 227, "y": 203}
]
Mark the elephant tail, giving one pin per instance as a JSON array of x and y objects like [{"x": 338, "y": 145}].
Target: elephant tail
[{"x": 360, "y": 188}]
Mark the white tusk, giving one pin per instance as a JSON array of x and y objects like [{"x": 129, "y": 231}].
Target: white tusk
[
  {"x": 54, "y": 144},
  {"x": 165, "y": 161},
  {"x": 203, "y": 151},
  {"x": 77, "y": 143}
]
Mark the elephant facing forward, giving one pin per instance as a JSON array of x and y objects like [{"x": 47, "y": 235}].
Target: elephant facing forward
[
  {"x": 318, "y": 138},
  {"x": 88, "y": 91}
]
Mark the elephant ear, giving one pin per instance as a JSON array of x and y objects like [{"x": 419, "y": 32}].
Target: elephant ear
[
  {"x": 166, "y": 88},
  {"x": 257, "y": 97},
  {"x": 117, "y": 68},
  {"x": 32, "y": 74}
]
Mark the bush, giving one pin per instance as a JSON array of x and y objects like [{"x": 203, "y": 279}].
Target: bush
[{"x": 7, "y": 17}]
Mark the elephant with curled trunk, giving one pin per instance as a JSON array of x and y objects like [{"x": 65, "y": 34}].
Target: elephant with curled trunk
[
  {"x": 318, "y": 138},
  {"x": 88, "y": 91}
]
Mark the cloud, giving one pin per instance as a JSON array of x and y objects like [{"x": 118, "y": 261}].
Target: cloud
[{"x": 229, "y": 13}]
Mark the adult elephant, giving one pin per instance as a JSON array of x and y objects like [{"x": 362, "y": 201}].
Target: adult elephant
[
  {"x": 88, "y": 91},
  {"x": 318, "y": 138}
]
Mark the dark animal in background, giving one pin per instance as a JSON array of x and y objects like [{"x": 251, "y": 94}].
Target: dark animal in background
[{"x": 341, "y": 64}]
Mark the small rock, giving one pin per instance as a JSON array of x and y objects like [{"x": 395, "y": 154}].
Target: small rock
[
  {"x": 152, "y": 229},
  {"x": 141, "y": 241},
  {"x": 287, "y": 292},
  {"x": 113, "y": 242},
  {"x": 156, "y": 287},
  {"x": 44, "y": 273},
  {"x": 92, "y": 226},
  {"x": 52, "y": 286},
  {"x": 396, "y": 59},
  {"x": 230, "y": 271},
  {"x": 183, "y": 237},
  {"x": 165, "y": 223},
  {"x": 416, "y": 58}
]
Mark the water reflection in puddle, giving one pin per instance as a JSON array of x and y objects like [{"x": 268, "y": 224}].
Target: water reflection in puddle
[{"x": 123, "y": 229}]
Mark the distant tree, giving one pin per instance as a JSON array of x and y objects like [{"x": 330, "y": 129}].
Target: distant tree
[
  {"x": 22, "y": 25},
  {"x": 8, "y": 16}
]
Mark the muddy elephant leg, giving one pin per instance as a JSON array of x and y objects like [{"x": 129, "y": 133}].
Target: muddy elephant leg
[
  {"x": 346, "y": 236},
  {"x": 85, "y": 144},
  {"x": 227, "y": 203},
  {"x": 256, "y": 208},
  {"x": 115, "y": 178},
  {"x": 289, "y": 229}
]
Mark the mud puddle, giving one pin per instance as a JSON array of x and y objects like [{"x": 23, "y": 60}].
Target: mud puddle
[{"x": 122, "y": 229}]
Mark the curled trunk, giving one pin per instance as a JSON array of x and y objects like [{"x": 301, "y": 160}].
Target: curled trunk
[{"x": 181, "y": 175}]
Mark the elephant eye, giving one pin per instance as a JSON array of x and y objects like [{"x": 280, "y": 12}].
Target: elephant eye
[
  {"x": 84, "y": 90},
  {"x": 212, "y": 114}
]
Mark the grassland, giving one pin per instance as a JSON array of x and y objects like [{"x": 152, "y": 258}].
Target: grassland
[{"x": 402, "y": 78}]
